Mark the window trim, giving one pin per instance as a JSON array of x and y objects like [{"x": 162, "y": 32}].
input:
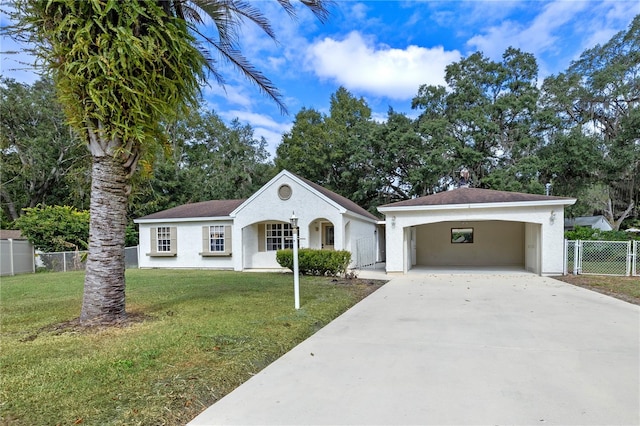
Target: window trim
[
  {"x": 206, "y": 241},
  {"x": 285, "y": 240},
  {"x": 173, "y": 242}
]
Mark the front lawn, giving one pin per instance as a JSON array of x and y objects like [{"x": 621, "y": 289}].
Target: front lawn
[
  {"x": 194, "y": 336},
  {"x": 624, "y": 288}
]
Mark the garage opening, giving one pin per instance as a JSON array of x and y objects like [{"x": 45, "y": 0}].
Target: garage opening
[{"x": 482, "y": 244}]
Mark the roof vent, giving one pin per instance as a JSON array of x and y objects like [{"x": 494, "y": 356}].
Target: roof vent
[{"x": 284, "y": 192}]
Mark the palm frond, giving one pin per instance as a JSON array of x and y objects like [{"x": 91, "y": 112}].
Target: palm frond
[
  {"x": 235, "y": 57},
  {"x": 227, "y": 16},
  {"x": 320, "y": 8}
]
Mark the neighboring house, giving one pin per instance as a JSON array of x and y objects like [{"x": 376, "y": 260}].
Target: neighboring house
[
  {"x": 595, "y": 222},
  {"x": 16, "y": 253},
  {"x": 472, "y": 227},
  {"x": 245, "y": 234}
]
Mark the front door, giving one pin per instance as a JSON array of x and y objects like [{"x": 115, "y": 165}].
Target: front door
[{"x": 327, "y": 236}]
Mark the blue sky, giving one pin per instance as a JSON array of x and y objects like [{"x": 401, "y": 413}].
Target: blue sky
[{"x": 384, "y": 50}]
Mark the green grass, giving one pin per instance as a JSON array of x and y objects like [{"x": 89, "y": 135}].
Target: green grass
[
  {"x": 625, "y": 288},
  {"x": 203, "y": 334},
  {"x": 601, "y": 267}
]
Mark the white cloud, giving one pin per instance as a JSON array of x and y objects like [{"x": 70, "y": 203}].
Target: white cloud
[
  {"x": 360, "y": 64},
  {"x": 560, "y": 32},
  {"x": 359, "y": 11},
  {"x": 233, "y": 94},
  {"x": 538, "y": 36},
  {"x": 263, "y": 126},
  {"x": 612, "y": 17}
]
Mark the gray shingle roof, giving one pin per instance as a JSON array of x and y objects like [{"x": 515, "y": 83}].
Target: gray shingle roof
[
  {"x": 473, "y": 196},
  {"x": 214, "y": 208},
  {"x": 221, "y": 208},
  {"x": 339, "y": 199},
  {"x": 11, "y": 234}
]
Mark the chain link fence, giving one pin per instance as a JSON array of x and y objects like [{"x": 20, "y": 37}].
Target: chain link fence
[
  {"x": 601, "y": 257},
  {"x": 76, "y": 260}
]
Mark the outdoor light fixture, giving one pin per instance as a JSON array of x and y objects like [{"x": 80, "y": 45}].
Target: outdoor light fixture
[
  {"x": 296, "y": 280},
  {"x": 552, "y": 217},
  {"x": 393, "y": 221}
]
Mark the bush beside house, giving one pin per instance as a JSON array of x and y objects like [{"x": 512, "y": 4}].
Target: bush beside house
[{"x": 316, "y": 262}]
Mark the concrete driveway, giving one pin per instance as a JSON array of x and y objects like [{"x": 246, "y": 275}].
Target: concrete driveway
[{"x": 459, "y": 350}]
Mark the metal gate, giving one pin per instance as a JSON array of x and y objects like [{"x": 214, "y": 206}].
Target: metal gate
[{"x": 601, "y": 257}]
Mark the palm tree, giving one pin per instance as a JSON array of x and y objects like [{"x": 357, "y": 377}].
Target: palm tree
[{"x": 120, "y": 69}]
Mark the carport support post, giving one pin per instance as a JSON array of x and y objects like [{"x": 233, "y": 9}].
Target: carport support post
[{"x": 296, "y": 279}]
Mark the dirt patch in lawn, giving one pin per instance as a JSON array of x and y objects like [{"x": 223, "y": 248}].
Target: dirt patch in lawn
[
  {"x": 363, "y": 287},
  {"x": 623, "y": 288}
]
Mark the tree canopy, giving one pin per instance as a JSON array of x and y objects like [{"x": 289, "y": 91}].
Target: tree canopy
[{"x": 579, "y": 132}]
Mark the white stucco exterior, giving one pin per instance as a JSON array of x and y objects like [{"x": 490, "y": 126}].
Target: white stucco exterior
[
  {"x": 188, "y": 245},
  {"x": 321, "y": 214},
  {"x": 525, "y": 234}
]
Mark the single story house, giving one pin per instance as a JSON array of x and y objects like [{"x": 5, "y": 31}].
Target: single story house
[
  {"x": 245, "y": 234},
  {"x": 473, "y": 227},
  {"x": 595, "y": 222}
]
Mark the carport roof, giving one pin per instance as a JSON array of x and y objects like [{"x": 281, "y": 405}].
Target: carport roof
[{"x": 478, "y": 196}]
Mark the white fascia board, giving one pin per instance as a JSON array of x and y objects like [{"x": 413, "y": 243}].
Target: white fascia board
[
  {"x": 566, "y": 202},
  {"x": 185, "y": 219},
  {"x": 319, "y": 194},
  {"x": 337, "y": 206},
  {"x": 359, "y": 216}
]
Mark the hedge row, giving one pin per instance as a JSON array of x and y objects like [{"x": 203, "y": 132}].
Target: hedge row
[
  {"x": 586, "y": 233},
  {"x": 316, "y": 262}
]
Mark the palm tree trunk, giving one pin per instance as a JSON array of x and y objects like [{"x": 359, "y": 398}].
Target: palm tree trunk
[{"x": 104, "y": 284}]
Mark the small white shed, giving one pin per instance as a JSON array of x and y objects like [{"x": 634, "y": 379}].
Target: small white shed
[{"x": 473, "y": 227}]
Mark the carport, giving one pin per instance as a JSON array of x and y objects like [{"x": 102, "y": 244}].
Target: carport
[{"x": 473, "y": 227}]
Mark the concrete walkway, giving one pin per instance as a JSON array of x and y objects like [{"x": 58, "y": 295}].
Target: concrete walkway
[{"x": 467, "y": 349}]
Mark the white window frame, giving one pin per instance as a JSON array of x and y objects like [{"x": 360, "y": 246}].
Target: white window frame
[
  {"x": 216, "y": 240},
  {"x": 164, "y": 241},
  {"x": 278, "y": 236}
]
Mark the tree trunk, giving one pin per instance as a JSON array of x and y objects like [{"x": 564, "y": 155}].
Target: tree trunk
[{"x": 104, "y": 284}]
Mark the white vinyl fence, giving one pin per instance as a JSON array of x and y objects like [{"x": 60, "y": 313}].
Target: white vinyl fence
[
  {"x": 365, "y": 253},
  {"x": 65, "y": 261},
  {"x": 16, "y": 257},
  {"x": 601, "y": 257}
]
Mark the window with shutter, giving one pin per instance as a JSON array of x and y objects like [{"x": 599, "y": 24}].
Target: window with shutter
[
  {"x": 216, "y": 240},
  {"x": 164, "y": 241}
]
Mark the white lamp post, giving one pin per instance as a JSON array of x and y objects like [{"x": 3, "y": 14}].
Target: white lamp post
[{"x": 296, "y": 280}]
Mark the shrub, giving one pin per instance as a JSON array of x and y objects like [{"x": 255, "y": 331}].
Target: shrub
[
  {"x": 55, "y": 228},
  {"x": 587, "y": 233},
  {"x": 316, "y": 262}
]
